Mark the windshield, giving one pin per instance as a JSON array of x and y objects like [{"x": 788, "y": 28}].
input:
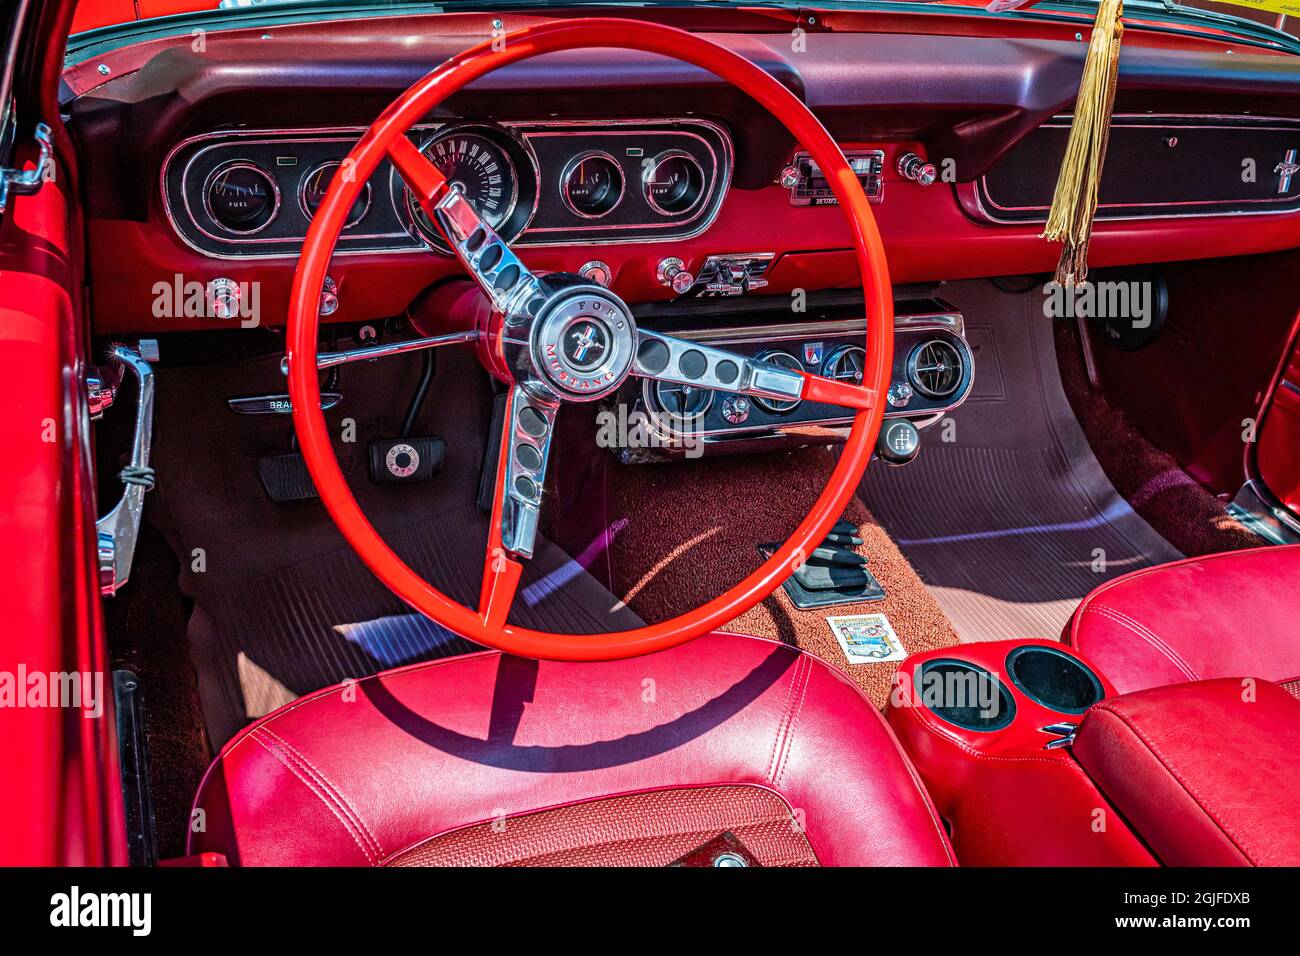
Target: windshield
[{"x": 1241, "y": 16}]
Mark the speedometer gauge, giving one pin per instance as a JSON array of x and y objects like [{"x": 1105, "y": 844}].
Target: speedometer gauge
[{"x": 478, "y": 168}]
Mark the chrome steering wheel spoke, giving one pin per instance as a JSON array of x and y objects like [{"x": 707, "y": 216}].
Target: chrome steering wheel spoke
[
  {"x": 512, "y": 289},
  {"x": 682, "y": 362},
  {"x": 530, "y": 425}
]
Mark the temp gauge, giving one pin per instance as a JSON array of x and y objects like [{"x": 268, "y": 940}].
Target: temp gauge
[
  {"x": 592, "y": 184},
  {"x": 241, "y": 197},
  {"x": 673, "y": 183},
  {"x": 314, "y": 186}
]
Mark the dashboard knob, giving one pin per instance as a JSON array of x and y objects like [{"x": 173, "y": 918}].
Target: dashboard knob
[
  {"x": 899, "y": 394},
  {"x": 790, "y": 177},
  {"x": 735, "y": 409},
  {"x": 913, "y": 167},
  {"x": 899, "y": 442},
  {"x": 223, "y": 298},
  {"x": 329, "y": 297},
  {"x": 672, "y": 272}
]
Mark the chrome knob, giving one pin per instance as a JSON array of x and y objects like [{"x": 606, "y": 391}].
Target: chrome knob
[
  {"x": 899, "y": 394},
  {"x": 223, "y": 298},
  {"x": 790, "y": 177},
  {"x": 913, "y": 167},
  {"x": 735, "y": 409},
  {"x": 329, "y": 297},
  {"x": 672, "y": 272}
]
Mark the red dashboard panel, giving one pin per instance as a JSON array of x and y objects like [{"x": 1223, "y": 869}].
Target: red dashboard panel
[{"x": 927, "y": 235}]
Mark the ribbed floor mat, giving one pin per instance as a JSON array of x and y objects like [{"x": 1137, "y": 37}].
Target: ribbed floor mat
[
  {"x": 281, "y": 604},
  {"x": 1006, "y": 515},
  {"x": 262, "y": 642}
]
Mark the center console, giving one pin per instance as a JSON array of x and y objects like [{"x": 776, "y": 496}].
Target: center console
[
  {"x": 933, "y": 371},
  {"x": 990, "y": 728}
]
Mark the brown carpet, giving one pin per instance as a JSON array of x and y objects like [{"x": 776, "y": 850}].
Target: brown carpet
[
  {"x": 692, "y": 531},
  {"x": 1183, "y": 512}
]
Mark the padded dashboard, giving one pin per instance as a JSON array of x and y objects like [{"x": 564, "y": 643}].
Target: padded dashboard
[{"x": 969, "y": 103}]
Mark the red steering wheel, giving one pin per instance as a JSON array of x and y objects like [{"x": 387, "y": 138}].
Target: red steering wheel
[{"x": 554, "y": 339}]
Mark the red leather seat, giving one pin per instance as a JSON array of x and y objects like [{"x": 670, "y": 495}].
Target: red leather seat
[
  {"x": 1225, "y": 615},
  {"x": 1204, "y": 772},
  {"x": 491, "y": 759}
]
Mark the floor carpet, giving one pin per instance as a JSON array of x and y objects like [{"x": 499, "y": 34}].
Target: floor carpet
[
  {"x": 1183, "y": 512},
  {"x": 686, "y": 533}
]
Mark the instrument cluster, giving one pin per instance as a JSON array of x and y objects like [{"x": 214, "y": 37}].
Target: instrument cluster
[{"x": 253, "y": 194}]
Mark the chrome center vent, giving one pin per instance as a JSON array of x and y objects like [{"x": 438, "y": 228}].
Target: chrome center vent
[
  {"x": 845, "y": 364},
  {"x": 936, "y": 368},
  {"x": 777, "y": 406}
]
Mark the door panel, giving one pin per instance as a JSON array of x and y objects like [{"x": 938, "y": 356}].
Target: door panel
[
  {"x": 1277, "y": 455},
  {"x": 63, "y": 804}
]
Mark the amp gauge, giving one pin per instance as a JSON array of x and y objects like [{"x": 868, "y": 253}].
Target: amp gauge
[{"x": 592, "y": 184}]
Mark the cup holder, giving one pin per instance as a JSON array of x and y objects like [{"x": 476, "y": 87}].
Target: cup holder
[
  {"x": 1054, "y": 679},
  {"x": 965, "y": 695}
]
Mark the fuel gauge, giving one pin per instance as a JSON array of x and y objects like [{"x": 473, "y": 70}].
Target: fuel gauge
[{"x": 592, "y": 184}]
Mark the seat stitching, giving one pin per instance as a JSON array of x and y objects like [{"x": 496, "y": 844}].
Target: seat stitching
[
  {"x": 1187, "y": 788},
  {"x": 365, "y": 851},
  {"x": 1142, "y": 631},
  {"x": 805, "y": 679},
  {"x": 334, "y": 790},
  {"x": 773, "y": 760}
]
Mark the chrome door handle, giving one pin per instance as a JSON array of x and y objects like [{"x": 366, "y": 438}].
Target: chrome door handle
[
  {"x": 119, "y": 529},
  {"x": 25, "y": 182}
]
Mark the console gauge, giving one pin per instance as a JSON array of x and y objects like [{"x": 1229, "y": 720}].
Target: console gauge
[
  {"x": 241, "y": 197},
  {"x": 682, "y": 402},
  {"x": 591, "y": 184},
  {"x": 314, "y": 186},
  {"x": 673, "y": 183}
]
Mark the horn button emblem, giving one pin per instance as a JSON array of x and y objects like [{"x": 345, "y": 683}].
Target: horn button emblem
[{"x": 584, "y": 343}]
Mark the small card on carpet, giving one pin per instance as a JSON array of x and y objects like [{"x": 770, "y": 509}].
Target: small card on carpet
[{"x": 866, "y": 638}]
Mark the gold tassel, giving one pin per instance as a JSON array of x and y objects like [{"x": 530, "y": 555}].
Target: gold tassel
[{"x": 1077, "y": 187}]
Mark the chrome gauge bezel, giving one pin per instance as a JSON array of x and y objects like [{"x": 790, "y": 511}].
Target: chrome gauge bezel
[
  {"x": 914, "y": 356},
  {"x": 778, "y": 406},
  {"x": 226, "y": 166},
  {"x": 573, "y": 163},
  {"x": 515, "y": 148},
  {"x": 650, "y": 396},
  {"x": 838, "y": 353},
  {"x": 366, "y": 192},
  {"x": 648, "y": 174}
]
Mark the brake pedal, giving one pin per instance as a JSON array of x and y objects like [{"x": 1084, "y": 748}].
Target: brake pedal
[{"x": 405, "y": 460}]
